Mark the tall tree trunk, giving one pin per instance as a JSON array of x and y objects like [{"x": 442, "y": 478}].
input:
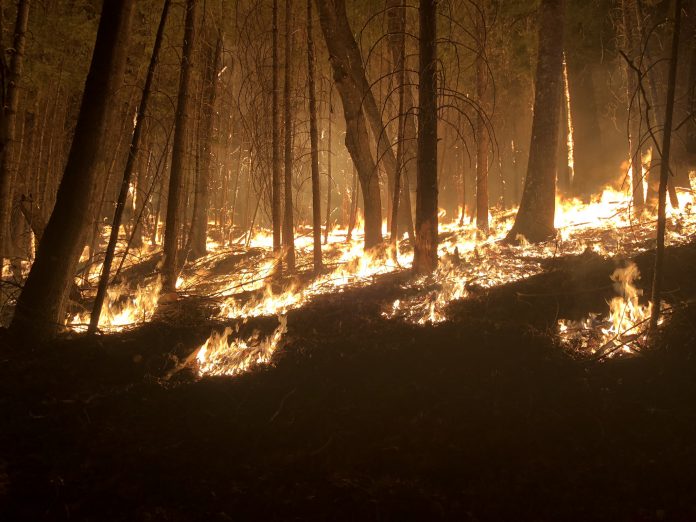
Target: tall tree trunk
[
  {"x": 462, "y": 182},
  {"x": 482, "y": 141},
  {"x": 425, "y": 249},
  {"x": 664, "y": 172},
  {"x": 170, "y": 268},
  {"x": 397, "y": 40},
  {"x": 535, "y": 218},
  {"x": 288, "y": 220},
  {"x": 353, "y": 66},
  {"x": 329, "y": 164},
  {"x": 654, "y": 118},
  {"x": 41, "y": 306},
  {"x": 276, "y": 181},
  {"x": 199, "y": 226},
  {"x": 342, "y": 50},
  {"x": 634, "y": 116},
  {"x": 406, "y": 139},
  {"x": 7, "y": 130},
  {"x": 127, "y": 174},
  {"x": 314, "y": 143}
]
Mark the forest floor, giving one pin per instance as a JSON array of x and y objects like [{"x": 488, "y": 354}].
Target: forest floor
[{"x": 485, "y": 416}]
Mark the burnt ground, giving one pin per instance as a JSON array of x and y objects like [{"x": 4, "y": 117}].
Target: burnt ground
[{"x": 483, "y": 417}]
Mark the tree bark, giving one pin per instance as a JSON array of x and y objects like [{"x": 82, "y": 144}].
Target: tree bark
[
  {"x": 425, "y": 248},
  {"x": 535, "y": 218},
  {"x": 40, "y": 310},
  {"x": 170, "y": 267}
]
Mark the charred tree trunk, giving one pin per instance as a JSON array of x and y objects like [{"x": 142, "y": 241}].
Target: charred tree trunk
[
  {"x": 7, "y": 130},
  {"x": 396, "y": 28},
  {"x": 425, "y": 248},
  {"x": 406, "y": 139},
  {"x": 482, "y": 141},
  {"x": 329, "y": 163},
  {"x": 41, "y": 306},
  {"x": 170, "y": 267},
  {"x": 288, "y": 218},
  {"x": 654, "y": 118},
  {"x": 342, "y": 50},
  {"x": 664, "y": 172},
  {"x": 199, "y": 226},
  {"x": 353, "y": 67},
  {"x": 276, "y": 181},
  {"x": 314, "y": 144},
  {"x": 127, "y": 174},
  {"x": 634, "y": 116},
  {"x": 535, "y": 218}
]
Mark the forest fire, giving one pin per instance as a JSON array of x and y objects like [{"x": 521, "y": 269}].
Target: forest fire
[
  {"x": 348, "y": 260},
  {"x": 603, "y": 226}
]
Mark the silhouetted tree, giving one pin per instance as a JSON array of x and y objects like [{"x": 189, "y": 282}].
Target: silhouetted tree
[
  {"x": 170, "y": 267},
  {"x": 41, "y": 307},
  {"x": 425, "y": 248}
]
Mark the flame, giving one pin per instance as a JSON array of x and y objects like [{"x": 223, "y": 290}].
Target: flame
[
  {"x": 123, "y": 307},
  {"x": 623, "y": 330},
  {"x": 221, "y": 355},
  {"x": 469, "y": 263}
]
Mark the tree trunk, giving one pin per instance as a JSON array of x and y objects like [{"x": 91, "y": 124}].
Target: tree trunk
[
  {"x": 397, "y": 39},
  {"x": 406, "y": 139},
  {"x": 535, "y": 218},
  {"x": 127, "y": 174},
  {"x": 342, "y": 50},
  {"x": 41, "y": 306},
  {"x": 276, "y": 181},
  {"x": 634, "y": 116},
  {"x": 352, "y": 214},
  {"x": 199, "y": 226},
  {"x": 425, "y": 248},
  {"x": 664, "y": 172},
  {"x": 654, "y": 119},
  {"x": 170, "y": 268},
  {"x": 288, "y": 220},
  {"x": 7, "y": 124},
  {"x": 329, "y": 164},
  {"x": 314, "y": 144},
  {"x": 482, "y": 141}
]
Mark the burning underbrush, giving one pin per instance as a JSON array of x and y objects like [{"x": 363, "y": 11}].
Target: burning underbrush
[
  {"x": 240, "y": 279},
  {"x": 603, "y": 227}
]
